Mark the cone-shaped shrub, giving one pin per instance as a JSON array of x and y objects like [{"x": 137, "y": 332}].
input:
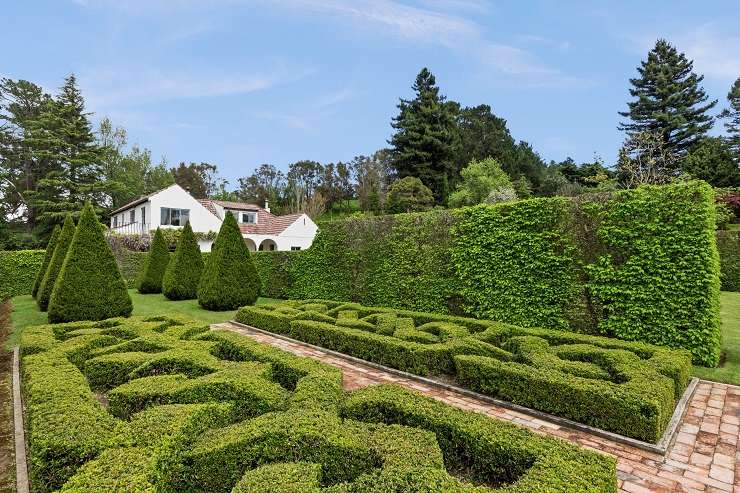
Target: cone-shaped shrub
[
  {"x": 150, "y": 278},
  {"x": 182, "y": 276},
  {"x": 89, "y": 286},
  {"x": 47, "y": 258},
  {"x": 230, "y": 279},
  {"x": 55, "y": 264}
]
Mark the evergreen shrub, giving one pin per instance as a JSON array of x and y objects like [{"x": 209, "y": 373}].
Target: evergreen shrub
[
  {"x": 43, "y": 295},
  {"x": 181, "y": 279},
  {"x": 156, "y": 263},
  {"x": 229, "y": 279},
  {"x": 47, "y": 258},
  {"x": 89, "y": 285}
]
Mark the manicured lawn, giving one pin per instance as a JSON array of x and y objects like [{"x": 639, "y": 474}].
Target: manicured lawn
[
  {"x": 26, "y": 313},
  {"x": 729, "y": 372}
]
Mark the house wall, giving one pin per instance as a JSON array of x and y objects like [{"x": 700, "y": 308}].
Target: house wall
[
  {"x": 299, "y": 234},
  {"x": 201, "y": 219}
]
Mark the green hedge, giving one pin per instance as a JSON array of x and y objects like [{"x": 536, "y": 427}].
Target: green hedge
[
  {"x": 215, "y": 411},
  {"x": 18, "y": 269},
  {"x": 625, "y": 387},
  {"x": 728, "y": 244},
  {"x": 636, "y": 264}
]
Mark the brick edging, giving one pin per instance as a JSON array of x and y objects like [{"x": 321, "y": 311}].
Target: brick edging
[
  {"x": 21, "y": 464},
  {"x": 659, "y": 448}
]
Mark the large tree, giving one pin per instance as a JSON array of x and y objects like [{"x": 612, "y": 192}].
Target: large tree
[
  {"x": 669, "y": 100},
  {"x": 424, "y": 143},
  {"x": 711, "y": 160},
  {"x": 200, "y": 179},
  {"x": 732, "y": 114},
  {"x": 267, "y": 183}
]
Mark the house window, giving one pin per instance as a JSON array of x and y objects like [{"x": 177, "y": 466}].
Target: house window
[
  {"x": 115, "y": 221},
  {"x": 132, "y": 215},
  {"x": 295, "y": 248},
  {"x": 249, "y": 217},
  {"x": 174, "y": 217}
]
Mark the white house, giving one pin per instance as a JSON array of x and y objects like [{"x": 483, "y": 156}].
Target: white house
[{"x": 173, "y": 206}]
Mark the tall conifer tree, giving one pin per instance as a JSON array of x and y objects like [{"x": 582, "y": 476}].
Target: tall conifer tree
[
  {"x": 55, "y": 264},
  {"x": 732, "y": 114},
  {"x": 47, "y": 258},
  {"x": 669, "y": 100},
  {"x": 424, "y": 142}
]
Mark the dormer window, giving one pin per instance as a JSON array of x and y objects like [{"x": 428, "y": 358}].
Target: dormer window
[{"x": 245, "y": 217}]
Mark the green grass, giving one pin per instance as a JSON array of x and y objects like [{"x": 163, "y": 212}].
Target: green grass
[
  {"x": 729, "y": 371},
  {"x": 26, "y": 313},
  {"x": 733, "y": 227}
]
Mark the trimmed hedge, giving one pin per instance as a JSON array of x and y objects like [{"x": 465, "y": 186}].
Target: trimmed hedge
[
  {"x": 155, "y": 266},
  {"x": 625, "y": 387},
  {"x": 229, "y": 279},
  {"x": 728, "y": 244},
  {"x": 89, "y": 286},
  {"x": 18, "y": 269},
  {"x": 47, "y": 258},
  {"x": 55, "y": 264},
  {"x": 183, "y": 274},
  {"x": 303, "y": 433}
]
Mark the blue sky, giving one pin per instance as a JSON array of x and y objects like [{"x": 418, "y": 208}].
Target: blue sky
[{"x": 242, "y": 82}]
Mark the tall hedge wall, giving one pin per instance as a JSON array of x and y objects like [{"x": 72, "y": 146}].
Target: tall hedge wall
[
  {"x": 728, "y": 244},
  {"x": 18, "y": 269}
]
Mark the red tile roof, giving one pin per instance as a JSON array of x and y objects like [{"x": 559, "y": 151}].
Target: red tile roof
[{"x": 267, "y": 223}]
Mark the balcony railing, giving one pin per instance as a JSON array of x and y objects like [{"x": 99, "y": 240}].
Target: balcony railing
[{"x": 130, "y": 229}]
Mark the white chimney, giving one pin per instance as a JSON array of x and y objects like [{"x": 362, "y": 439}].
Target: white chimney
[{"x": 267, "y": 206}]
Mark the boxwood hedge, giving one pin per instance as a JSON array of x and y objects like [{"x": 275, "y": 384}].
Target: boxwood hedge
[
  {"x": 624, "y": 387},
  {"x": 215, "y": 411}
]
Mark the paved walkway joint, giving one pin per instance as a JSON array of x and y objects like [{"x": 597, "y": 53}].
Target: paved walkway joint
[{"x": 705, "y": 455}]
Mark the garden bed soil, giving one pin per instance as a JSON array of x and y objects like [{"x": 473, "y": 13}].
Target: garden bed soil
[{"x": 7, "y": 455}]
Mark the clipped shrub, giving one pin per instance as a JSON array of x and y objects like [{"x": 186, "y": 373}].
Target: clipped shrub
[
  {"x": 624, "y": 387},
  {"x": 230, "y": 279},
  {"x": 18, "y": 269},
  {"x": 156, "y": 263},
  {"x": 55, "y": 264},
  {"x": 47, "y": 258},
  {"x": 182, "y": 276},
  {"x": 89, "y": 286},
  {"x": 728, "y": 244}
]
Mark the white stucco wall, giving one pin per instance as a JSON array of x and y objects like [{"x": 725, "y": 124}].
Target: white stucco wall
[{"x": 201, "y": 219}]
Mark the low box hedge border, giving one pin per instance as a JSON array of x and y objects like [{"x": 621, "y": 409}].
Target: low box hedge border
[
  {"x": 311, "y": 435},
  {"x": 628, "y": 388}
]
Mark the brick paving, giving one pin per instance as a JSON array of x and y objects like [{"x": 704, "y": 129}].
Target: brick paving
[{"x": 705, "y": 455}]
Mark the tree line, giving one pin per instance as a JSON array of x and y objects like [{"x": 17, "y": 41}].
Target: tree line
[{"x": 441, "y": 153}]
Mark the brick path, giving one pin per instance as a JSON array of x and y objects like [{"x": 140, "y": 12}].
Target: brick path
[{"x": 705, "y": 455}]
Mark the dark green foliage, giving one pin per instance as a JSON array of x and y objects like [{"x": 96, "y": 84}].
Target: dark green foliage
[
  {"x": 732, "y": 114},
  {"x": 130, "y": 264},
  {"x": 229, "y": 279},
  {"x": 668, "y": 100},
  {"x": 43, "y": 296},
  {"x": 155, "y": 266},
  {"x": 183, "y": 274},
  {"x": 728, "y": 244},
  {"x": 658, "y": 279},
  {"x": 386, "y": 439},
  {"x": 47, "y": 259},
  {"x": 563, "y": 373},
  {"x": 711, "y": 160},
  {"x": 273, "y": 269},
  {"x": 408, "y": 195},
  {"x": 17, "y": 270},
  {"x": 89, "y": 286},
  {"x": 424, "y": 142}
]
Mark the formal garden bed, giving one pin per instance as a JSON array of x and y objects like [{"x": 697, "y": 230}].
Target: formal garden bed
[
  {"x": 196, "y": 410},
  {"x": 624, "y": 387}
]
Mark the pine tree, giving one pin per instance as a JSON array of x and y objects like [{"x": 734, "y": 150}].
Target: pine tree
[
  {"x": 669, "y": 100},
  {"x": 47, "y": 258},
  {"x": 55, "y": 264},
  {"x": 62, "y": 134},
  {"x": 732, "y": 114},
  {"x": 424, "y": 142},
  {"x": 89, "y": 286},
  {"x": 230, "y": 279},
  {"x": 150, "y": 280},
  {"x": 184, "y": 271}
]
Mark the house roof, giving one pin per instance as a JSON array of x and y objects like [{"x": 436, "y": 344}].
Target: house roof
[
  {"x": 136, "y": 202},
  {"x": 267, "y": 223}
]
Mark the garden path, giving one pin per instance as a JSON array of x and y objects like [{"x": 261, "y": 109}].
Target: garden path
[{"x": 705, "y": 455}]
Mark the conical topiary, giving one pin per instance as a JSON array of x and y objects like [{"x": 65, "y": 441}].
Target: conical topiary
[
  {"x": 55, "y": 264},
  {"x": 89, "y": 286},
  {"x": 182, "y": 276},
  {"x": 230, "y": 279},
  {"x": 150, "y": 279},
  {"x": 47, "y": 258}
]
